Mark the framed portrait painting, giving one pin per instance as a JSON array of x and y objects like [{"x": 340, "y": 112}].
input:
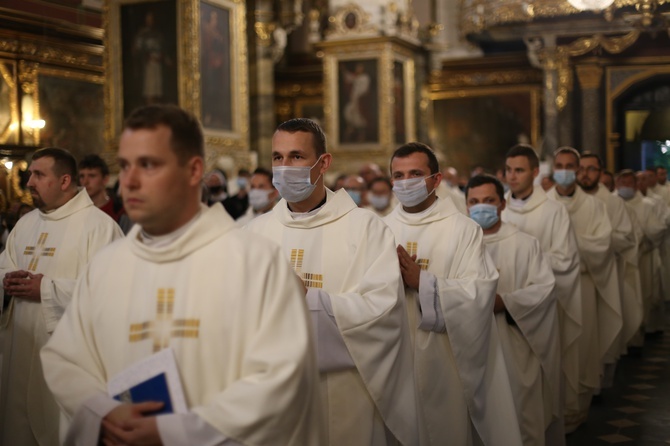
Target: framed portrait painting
[
  {"x": 71, "y": 105},
  {"x": 186, "y": 52},
  {"x": 216, "y": 105},
  {"x": 358, "y": 99}
]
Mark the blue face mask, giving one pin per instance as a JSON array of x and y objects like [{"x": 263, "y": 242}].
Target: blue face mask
[
  {"x": 626, "y": 192},
  {"x": 486, "y": 215},
  {"x": 242, "y": 182},
  {"x": 355, "y": 195},
  {"x": 564, "y": 177}
]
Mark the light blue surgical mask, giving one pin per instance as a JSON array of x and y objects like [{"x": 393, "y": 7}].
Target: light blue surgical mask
[
  {"x": 626, "y": 192},
  {"x": 242, "y": 183},
  {"x": 413, "y": 191},
  {"x": 355, "y": 195},
  {"x": 379, "y": 202},
  {"x": 564, "y": 177},
  {"x": 486, "y": 215},
  {"x": 294, "y": 183}
]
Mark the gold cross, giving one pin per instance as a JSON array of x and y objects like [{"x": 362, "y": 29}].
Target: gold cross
[
  {"x": 164, "y": 327},
  {"x": 43, "y": 251},
  {"x": 310, "y": 280},
  {"x": 412, "y": 248}
]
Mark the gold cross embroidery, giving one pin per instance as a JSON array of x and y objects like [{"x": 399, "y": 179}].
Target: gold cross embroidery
[
  {"x": 412, "y": 248},
  {"x": 310, "y": 280},
  {"x": 164, "y": 327},
  {"x": 38, "y": 250}
]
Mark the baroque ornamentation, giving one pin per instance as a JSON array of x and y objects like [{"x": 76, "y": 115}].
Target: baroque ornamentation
[
  {"x": 478, "y": 15},
  {"x": 350, "y": 20}
]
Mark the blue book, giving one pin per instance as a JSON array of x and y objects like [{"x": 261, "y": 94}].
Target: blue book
[
  {"x": 153, "y": 378},
  {"x": 153, "y": 389}
]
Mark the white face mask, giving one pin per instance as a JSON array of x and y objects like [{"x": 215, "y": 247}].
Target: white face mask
[
  {"x": 294, "y": 183},
  {"x": 259, "y": 199},
  {"x": 379, "y": 202},
  {"x": 413, "y": 191}
]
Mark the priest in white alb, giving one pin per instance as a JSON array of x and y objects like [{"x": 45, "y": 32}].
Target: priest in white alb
[
  {"x": 46, "y": 251},
  {"x": 601, "y": 304},
  {"x": 345, "y": 256},
  {"x": 525, "y": 311},
  {"x": 186, "y": 279},
  {"x": 529, "y": 210},
  {"x": 654, "y": 230},
  {"x": 464, "y": 394},
  {"x": 624, "y": 245}
]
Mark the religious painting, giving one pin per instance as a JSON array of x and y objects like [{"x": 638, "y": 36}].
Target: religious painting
[
  {"x": 148, "y": 53},
  {"x": 399, "y": 104},
  {"x": 216, "y": 107},
  {"x": 358, "y": 99},
  {"x": 476, "y": 128},
  {"x": 71, "y": 105}
]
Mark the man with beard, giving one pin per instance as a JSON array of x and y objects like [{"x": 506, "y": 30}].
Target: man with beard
[
  {"x": 624, "y": 244},
  {"x": 46, "y": 251},
  {"x": 601, "y": 305}
]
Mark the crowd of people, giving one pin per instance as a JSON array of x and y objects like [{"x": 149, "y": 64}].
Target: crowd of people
[{"x": 384, "y": 310}]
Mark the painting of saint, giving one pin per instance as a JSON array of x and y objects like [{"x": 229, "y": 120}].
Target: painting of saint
[
  {"x": 149, "y": 54},
  {"x": 215, "y": 68},
  {"x": 358, "y": 102},
  {"x": 399, "y": 103}
]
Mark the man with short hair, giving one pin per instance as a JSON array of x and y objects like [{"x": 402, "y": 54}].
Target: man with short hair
[
  {"x": 46, "y": 251},
  {"x": 529, "y": 209},
  {"x": 346, "y": 258},
  {"x": 624, "y": 244},
  {"x": 355, "y": 187},
  {"x": 655, "y": 320},
  {"x": 236, "y": 326},
  {"x": 663, "y": 185},
  {"x": 369, "y": 172},
  {"x": 607, "y": 180},
  {"x": 654, "y": 231},
  {"x": 601, "y": 303},
  {"x": 525, "y": 312},
  {"x": 262, "y": 196},
  {"x": 94, "y": 176},
  {"x": 464, "y": 395},
  {"x": 380, "y": 197}
]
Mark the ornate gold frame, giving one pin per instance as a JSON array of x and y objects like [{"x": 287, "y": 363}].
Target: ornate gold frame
[
  {"x": 637, "y": 73},
  {"x": 385, "y": 51},
  {"x": 534, "y": 91},
  {"x": 234, "y": 144},
  {"x": 10, "y": 79}
]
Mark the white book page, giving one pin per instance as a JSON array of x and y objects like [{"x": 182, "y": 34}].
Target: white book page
[{"x": 161, "y": 362}]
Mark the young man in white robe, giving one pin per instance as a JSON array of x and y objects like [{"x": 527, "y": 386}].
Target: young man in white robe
[
  {"x": 187, "y": 279},
  {"x": 529, "y": 210},
  {"x": 624, "y": 244},
  {"x": 662, "y": 187},
  {"x": 46, "y": 251},
  {"x": 601, "y": 304},
  {"x": 525, "y": 312},
  {"x": 630, "y": 187},
  {"x": 464, "y": 395},
  {"x": 262, "y": 196},
  {"x": 659, "y": 194},
  {"x": 345, "y": 256}
]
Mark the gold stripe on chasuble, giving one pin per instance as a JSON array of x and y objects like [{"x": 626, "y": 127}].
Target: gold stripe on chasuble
[{"x": 164, "y": 327}]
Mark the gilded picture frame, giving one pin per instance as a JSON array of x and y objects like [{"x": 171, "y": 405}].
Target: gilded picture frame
[
  {"x": 391, "y": 67},
  {"x": 476, "y": 127},
  {"x": 142, "y": 57},
  {"x": 227, "y": 135},
  {"x": 71, "y": 105},
  {"x": 9, "y": 105}
]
